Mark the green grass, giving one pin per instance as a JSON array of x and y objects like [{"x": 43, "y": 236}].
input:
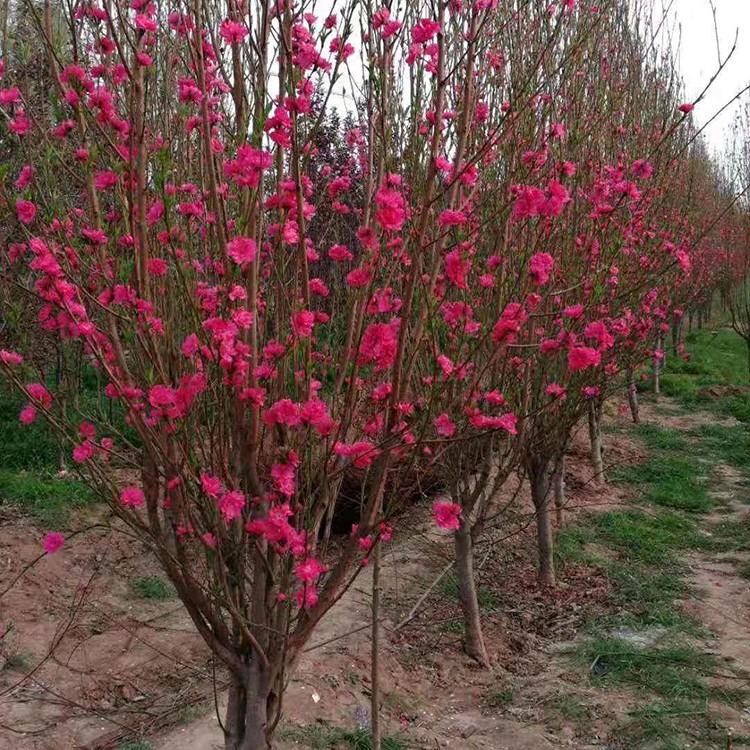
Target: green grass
[
  {"x": 46, "y": 499},
  {"x": 674, "y": 725},
  {"x": 153, "y": 587},
  {"x": 136, "y": 745},
  {"x": 568, "y": 708},
  {"x": 323, "y": 736},
  {"x": 671, "y": 477},
  {"x": 730, "y": 445},
  {"x": 674, "y": 669},
  {"x": 718, "y": 361},
  {"x": 646, "y": 643},
  {"x": 18, "y": 662},
  {"x": 498, "y": 698},
  {"x": 24, "y": 447}
]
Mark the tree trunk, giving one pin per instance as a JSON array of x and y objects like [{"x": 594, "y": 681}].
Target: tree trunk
[
  {"x": 540, "y": 486},
  {"x": 558, "y": 489},
  {"x": 633, "y": 397},
  {"x": 375, "y": 651},
  {"x": 657, "y": 367},
  {"x": 467, "y": 592},
  {"x": 595, "y": 435},
  {"x": 246, "y": 717}
]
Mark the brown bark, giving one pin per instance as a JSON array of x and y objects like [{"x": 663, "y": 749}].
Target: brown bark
[
  {"x": 246, "y": 719},
  {"x": 375, "y": 651},
  {"x": 633, "y": 398},
  {"x": 595, "y": 436},
  {"x": 467, "y": 592},
  {"x": 540, "y": 492},
  {"x": 558, "y": 489}
]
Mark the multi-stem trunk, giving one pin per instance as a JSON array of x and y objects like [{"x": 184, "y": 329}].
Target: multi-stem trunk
[
  {"x": 467, "y": 592},
  {"x": 595, "y": 436},
  {"x": 539, "y": 479},
  {"x": 246, "y": 720},
  {"x": 633, "y": 397}
]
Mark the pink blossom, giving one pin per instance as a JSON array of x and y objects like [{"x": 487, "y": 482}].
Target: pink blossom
[
  {"x": 231, "y": 505},
  {"x": 379, "y": 343},
  {"x": 52, "y": 542},
  {"x": 284, "y": 476},
  {"x": 391, "y": 209},
  {"x": 450, "y": 218},
  {"x": 211, "y": 485},
  {"x": 232, "y": 32},
  {"x": 28, "y": 414},
  {"x": 583, "y": 357},
  {"x": 540, "y": 267},
  {"x": 309, "y": 569},
  {"x": 284, "y": 411},
  {"x": 686, "y": 108},
  {"x": 507, "y": 328},
  {"x": 339, "y": 253},
  {"x": 132, "y": 497},
  {"x": 83, "y": 452},
  {"x": 457, "y": 268},
  {"x": 39, "y": 393},
  {"x": 10, "y": 357},
  {"x": 424, "y": 30},
  {"x": 363, "y": 452},
  {"x": 242, "y": 250},
  {"x": 444, "y": 426},
  {"x": 25, "y": 211},
  {"x": 302, "y": 323},
  {"x": 447, "y": 515}
]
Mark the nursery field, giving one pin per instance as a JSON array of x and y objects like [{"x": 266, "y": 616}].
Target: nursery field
[
  {"x": 644, "y": 643},
  {"x": 373, "y": 376}
]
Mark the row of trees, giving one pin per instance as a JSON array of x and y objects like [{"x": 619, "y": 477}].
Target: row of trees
[{"x": 279, "y": 303}]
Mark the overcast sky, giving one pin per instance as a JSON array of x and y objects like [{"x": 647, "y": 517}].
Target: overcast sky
[{"x": 698, "y": 58}]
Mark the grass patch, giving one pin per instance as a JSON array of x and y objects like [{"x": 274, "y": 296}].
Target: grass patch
[
  {"x": 24, "y": 447},
  {"x": 153, "y": 587},
  {"x": 675, "y": 670},
  {"x": 729, "y": 445},
  {"x": 674, "y": 725},
  {"x": 136, "y": 745},
  {"x": 497, "y": 698},
  {"x": 48, "y": 500},
  {"x": 323, "y": 736},
  {"x": 567, "y": 708},
  {"x": 714, "y": 377},
  {"x": 670, "y": 480},
  {"x": 647, "y": 538},
  {"x": 17, "y": 662}
]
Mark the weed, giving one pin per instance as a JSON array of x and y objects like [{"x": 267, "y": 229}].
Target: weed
[
  {"x": 496, "y": 698},
  {"x": 152, "y": 587},
  {"x": 568, "y": 708},
  {"x": 18, "y": 662},
  {"x": 323, "y": 736},
  {"x": 47, "y": 499},
  {"x": 136, "y": 745}
]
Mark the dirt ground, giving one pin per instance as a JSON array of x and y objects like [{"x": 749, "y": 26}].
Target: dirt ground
[{"x": 94, "y": 664}]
